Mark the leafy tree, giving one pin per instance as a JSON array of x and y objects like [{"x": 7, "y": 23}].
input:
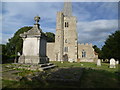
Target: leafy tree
[
  {"x": 15, "y": 43},
  {"x": 111, "y": 49},
  {"x": 97, "y": 50},
  {"x": 50, "y": 37},
  {"x": 3, "y": 54}
]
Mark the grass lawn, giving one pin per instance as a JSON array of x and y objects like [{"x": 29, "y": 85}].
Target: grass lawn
[
  {"x": 98, "y": 76},
  {"x": 92, "y": 77},
  {"x": 105, "y": 66}
]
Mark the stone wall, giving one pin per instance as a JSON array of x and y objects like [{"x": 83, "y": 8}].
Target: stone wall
[
  {"x": 90, "y": 55},
  {"x": 50, "y": 51},
  {"x": 70, "y": 38},
  {"x": 59, "y": 37}
]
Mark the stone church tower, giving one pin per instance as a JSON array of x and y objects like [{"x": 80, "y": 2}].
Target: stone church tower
[
  {"x": 66, "y": 46},
  {"x": 66, "y": 36}
]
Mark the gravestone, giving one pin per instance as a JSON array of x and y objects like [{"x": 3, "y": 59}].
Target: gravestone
[
  {"x": 112, "y": 63},
  {"x": 117, "y": 62},
  {"x": 102, "y": 60},
  {"x": 34, "y": 45},
  {"x": 106, "y": 60},
  {"x": 98, "y": 62},
  {"x": 71, "y": 60}
]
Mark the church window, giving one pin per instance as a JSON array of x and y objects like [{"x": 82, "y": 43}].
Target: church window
[
  {"x": 66, "y": 24},
  {"x": 66, "y": 49},
  {"x": 83, "y": 54}
]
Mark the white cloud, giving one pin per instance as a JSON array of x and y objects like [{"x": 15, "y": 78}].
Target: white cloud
[
  {"x": 17, "y": 15},
  {"x": 95, "y": 31}
]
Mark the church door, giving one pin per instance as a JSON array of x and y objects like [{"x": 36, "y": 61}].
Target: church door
[{"x": 65, "y": 57}]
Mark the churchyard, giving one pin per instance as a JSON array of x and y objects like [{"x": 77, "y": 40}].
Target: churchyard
[{"x": 64, "y": 75}]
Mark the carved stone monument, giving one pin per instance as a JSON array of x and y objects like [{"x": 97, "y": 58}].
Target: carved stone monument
[
  {"x": 34, "y": 45},
  {"x": 112, "y": 63},
  {"x": 98, "y": 62}
]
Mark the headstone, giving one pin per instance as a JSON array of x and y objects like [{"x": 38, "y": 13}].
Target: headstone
[
  {"x": 106, "y": 60},
  {"x": 61, "y": 61},
  {"x": 102, "y": 60},
  {"x": 117, "y": 62},
  {"x": 98, "y": 62},
  {"x": 18, "y": 54},
  {"x": 112, "y": 63},
  {"x": 81, "y": 64},
  {"x": 70, "y": 60}
]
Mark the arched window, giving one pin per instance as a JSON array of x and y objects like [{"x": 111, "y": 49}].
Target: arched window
[{"x": 83, "y": 54}]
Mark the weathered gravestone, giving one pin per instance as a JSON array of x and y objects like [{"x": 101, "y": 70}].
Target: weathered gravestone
[
  {"x": 34, "y": 45},
  {"x": 102, "y": 60},
  {"x": 98, "y": 62},
  {"x": 117, "y": 62},
  {"x": 106, "y": 60},
  {"x": 112, "y": 63}
]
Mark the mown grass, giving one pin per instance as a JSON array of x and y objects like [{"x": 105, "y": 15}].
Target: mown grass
[
  {"x": 22, "y": 84},
  {"x": 96, "y": 76},
  {"x": 93, "y": 77},
  {"x": 23, "y": 73},
  {"x": 104, "y": 66}
]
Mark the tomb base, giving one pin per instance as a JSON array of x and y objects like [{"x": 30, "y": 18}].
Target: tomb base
[{"x": 33, "y": 59}]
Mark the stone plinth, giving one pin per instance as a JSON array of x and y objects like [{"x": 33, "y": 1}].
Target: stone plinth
[{"x": 34, "y": 45}]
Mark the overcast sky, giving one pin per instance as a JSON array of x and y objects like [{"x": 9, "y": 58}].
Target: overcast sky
[{"x": 95, "y": 20}]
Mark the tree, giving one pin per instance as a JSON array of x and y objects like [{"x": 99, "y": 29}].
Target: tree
[
  {"x": 111, "y": 49},
  {"x": 50, "y": 37},
  {"x": 97, "y": 50},
  {"x": 15, "y": 43}
]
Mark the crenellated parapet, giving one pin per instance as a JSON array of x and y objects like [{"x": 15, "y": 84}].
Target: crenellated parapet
[{"x": 86, "y": 44}]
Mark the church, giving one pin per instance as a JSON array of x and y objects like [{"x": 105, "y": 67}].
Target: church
[{"x": 66, "y": 46}]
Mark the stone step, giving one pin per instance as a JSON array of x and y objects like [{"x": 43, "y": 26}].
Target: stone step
[
  {"x": 48, "y": 67},
  {"x": 47, "y": 64}
]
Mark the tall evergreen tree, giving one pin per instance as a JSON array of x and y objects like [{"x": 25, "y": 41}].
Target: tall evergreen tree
[{"x": 111, "y": 49}]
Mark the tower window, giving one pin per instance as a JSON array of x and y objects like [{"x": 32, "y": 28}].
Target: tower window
[
  {"x": 66, "y": 49},
  {"x": 66, "y": 24},
  {"x": 83, "y": 54}
]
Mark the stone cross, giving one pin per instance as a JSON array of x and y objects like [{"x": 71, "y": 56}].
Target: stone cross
[
  {"x": 112, "y": 63},
  {"x": 98, "y": 62}
]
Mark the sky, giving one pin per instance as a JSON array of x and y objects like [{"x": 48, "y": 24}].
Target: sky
[{"x": 95, "y": 20}]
